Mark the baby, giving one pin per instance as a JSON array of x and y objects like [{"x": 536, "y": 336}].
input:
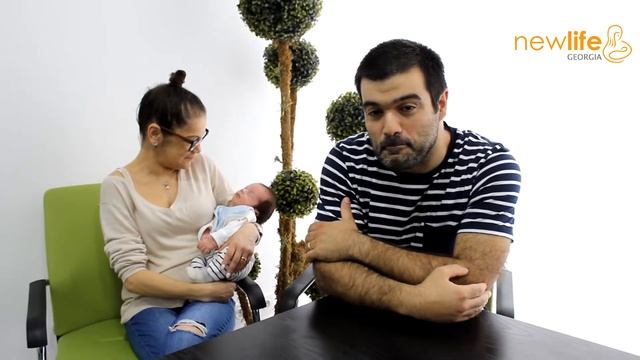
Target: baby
[{"x": 255, "y": 204}]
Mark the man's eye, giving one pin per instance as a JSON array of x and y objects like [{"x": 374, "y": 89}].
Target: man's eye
[
  {"x": 374, "y": 113},
  {"x": 407, "y": 108}
]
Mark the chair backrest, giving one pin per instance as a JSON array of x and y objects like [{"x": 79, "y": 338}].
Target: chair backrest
[{"x": 84, "y": 289}]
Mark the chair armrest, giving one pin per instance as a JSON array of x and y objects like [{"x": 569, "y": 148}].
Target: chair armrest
[
  {"x": 37, "y": 314},
  {"x": 296, "y": 288},
  {"x": 253, "y": 292},
  {"x": 504, "y": 299}
]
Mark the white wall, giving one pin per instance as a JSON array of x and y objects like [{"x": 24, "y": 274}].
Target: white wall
[{"x": 74, "y": 71}]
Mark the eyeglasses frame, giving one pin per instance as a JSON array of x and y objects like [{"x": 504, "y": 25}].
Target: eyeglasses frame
[{"x": 192, "y": 142}]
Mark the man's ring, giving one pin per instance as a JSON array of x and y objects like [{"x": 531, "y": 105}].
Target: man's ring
[
  {"x": 309, "y": 245},
  {"x": 242, "y": 258}
]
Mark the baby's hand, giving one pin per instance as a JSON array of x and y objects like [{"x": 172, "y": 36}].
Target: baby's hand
[{"x": 206, "y": 244}]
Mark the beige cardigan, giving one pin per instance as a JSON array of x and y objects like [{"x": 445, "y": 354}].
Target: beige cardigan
[{"x": 140, "y": 235}]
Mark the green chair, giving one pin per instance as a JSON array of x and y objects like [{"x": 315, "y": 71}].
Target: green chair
[{"x": 85, "y": 292}]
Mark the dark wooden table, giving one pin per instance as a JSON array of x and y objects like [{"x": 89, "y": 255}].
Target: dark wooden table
[{"x": 332, "y": 329}]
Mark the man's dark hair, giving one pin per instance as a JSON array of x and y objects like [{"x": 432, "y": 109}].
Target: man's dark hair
[
  {"x": 397, "y": 56},
  {"x": 265, "y": 208}
]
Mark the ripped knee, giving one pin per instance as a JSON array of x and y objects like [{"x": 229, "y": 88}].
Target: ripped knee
[{"x": 191, "y": 326}]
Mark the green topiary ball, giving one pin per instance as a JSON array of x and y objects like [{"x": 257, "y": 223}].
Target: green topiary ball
[
  {"x": 304, "y": 63},
  {"x": 296, "y": 193},
  {"x": 345, "y": 116},
  {"x": 279, "y": 19},
  {"x": 255, "y": 270}
]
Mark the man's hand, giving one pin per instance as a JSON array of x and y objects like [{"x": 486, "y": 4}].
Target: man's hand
[
  {"x": 333, "y": 240},
  {"x": 439, "y": 299},
  {"x": 240, "y": 248},
  {"x": 206, "y": 243}
]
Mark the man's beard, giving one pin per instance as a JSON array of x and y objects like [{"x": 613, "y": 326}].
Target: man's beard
[{"x": 417, "y": 156}]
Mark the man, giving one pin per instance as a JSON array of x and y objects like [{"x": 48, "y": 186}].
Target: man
[{"x": 414, "y": 216}]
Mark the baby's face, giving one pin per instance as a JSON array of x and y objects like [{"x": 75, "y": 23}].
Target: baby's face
[{"x": 251, "y": 195}]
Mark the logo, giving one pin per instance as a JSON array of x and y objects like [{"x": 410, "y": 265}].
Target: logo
[{"x": 579, "y": 45}]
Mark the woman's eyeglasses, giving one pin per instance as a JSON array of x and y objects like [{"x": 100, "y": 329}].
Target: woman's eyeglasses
[{"x": 191, "y": 141}]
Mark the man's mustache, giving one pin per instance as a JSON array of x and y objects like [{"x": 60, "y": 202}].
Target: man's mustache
[{"x": 395, "y": 140}]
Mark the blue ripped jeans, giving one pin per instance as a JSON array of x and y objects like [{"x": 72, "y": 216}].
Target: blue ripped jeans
[{"x": 152, "y": 333}]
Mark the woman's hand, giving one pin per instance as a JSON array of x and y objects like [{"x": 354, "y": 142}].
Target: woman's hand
[
  {"x": 214, "y": 291},
  {"x": 240, "y": 248}
]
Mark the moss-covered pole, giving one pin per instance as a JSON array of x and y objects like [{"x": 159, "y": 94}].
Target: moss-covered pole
[{"x": 286, "y": 140}]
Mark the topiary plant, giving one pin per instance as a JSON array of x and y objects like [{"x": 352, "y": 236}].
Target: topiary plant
[
  {"x": 345, "y": 117},
  {"x": 255, "y": 270},
  {"x": 279, "y": 19},
  {"x": 296, "y": 193},
  {"x": 304, "y": 64},
  {"x": 284, "y": 22}
]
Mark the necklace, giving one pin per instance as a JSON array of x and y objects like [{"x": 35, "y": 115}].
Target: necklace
[{"x": 166, "y": 184}]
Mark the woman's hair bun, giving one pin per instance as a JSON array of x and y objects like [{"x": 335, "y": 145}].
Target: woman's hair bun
[{"x": 177, "y": 78}]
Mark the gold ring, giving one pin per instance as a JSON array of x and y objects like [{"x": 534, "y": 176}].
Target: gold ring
[{"x": 242, "y": 258}]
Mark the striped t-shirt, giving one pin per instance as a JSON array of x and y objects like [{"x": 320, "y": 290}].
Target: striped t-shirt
[{"x": 473, "y": 190}]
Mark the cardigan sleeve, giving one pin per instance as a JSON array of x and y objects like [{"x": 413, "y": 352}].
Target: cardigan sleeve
[{"x": 123, "y": 244}]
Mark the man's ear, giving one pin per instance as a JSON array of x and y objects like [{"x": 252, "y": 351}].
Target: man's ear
[{"x": 442, "y": 104}]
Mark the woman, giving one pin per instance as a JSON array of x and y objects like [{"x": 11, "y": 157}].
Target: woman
[{"x": 151, "y": 211}]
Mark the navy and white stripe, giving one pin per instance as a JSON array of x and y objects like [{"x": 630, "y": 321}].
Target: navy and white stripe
[{"x": 474, "y": 190}]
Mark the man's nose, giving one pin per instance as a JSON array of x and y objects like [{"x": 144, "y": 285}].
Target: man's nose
[{"x": 391, "y": 124}]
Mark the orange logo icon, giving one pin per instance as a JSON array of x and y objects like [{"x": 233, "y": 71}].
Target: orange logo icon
[{"x": 616, "y": 49}]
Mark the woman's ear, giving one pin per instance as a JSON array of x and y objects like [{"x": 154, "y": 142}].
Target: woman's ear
[{"x": 154, "y": 134}]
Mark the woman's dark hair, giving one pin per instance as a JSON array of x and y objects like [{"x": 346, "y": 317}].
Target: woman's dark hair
[
  {"x": 169, "y": 105},
  {"x": 265, "y": 208},
  {"x": 397, "y": 56}
]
